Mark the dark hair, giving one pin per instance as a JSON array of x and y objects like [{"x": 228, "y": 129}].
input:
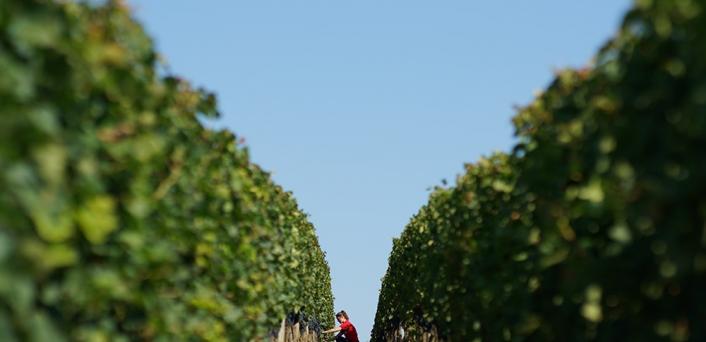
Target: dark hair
[{"x": 343, "y": 313}]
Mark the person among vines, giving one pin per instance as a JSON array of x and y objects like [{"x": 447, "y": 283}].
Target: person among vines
[{"x": 346, "y": 331}]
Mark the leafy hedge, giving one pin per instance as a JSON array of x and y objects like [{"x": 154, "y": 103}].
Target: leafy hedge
[
  {"x": 594, "y": 227},
  {"x": 449, "y": 270},
  {"x": 121, "y": 216}
]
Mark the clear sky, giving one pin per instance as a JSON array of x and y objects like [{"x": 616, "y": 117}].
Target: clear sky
[{"x": 360, "y": 106}]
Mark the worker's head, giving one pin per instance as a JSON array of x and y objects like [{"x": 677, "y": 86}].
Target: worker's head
[{"x": 342, "y": 316}]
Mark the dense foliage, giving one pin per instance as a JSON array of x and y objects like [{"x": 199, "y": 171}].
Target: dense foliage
[
  {"x": 594, "y": 227},
  {"x": 121, "y": 216}
]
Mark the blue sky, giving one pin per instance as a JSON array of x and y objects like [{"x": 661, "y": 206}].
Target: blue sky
[{"x": 359, "y": 107}]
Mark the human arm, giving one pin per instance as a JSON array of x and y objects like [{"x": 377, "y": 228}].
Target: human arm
[{"x": 336, "y": 329}]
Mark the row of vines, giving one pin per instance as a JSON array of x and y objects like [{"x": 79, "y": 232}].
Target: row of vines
[
  {"x": 121, "y": 216},
  {"x": 594, "y": 227}
]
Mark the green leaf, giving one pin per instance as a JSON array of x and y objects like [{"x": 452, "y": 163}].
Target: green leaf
[{"x": 97, "y": 218}]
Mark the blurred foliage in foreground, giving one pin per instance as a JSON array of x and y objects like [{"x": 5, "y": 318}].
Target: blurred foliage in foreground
[
  {"x": 594, "y": 227},
  {"x": 121, "y": 216}
]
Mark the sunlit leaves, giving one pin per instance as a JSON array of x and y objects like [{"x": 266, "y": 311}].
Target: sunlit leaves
[
  {"x": 593, "y": 228},
  {"x": 121, "y": 216}
]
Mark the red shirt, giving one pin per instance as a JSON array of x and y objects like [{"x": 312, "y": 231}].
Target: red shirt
[{"x": 349, "y": 330}]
